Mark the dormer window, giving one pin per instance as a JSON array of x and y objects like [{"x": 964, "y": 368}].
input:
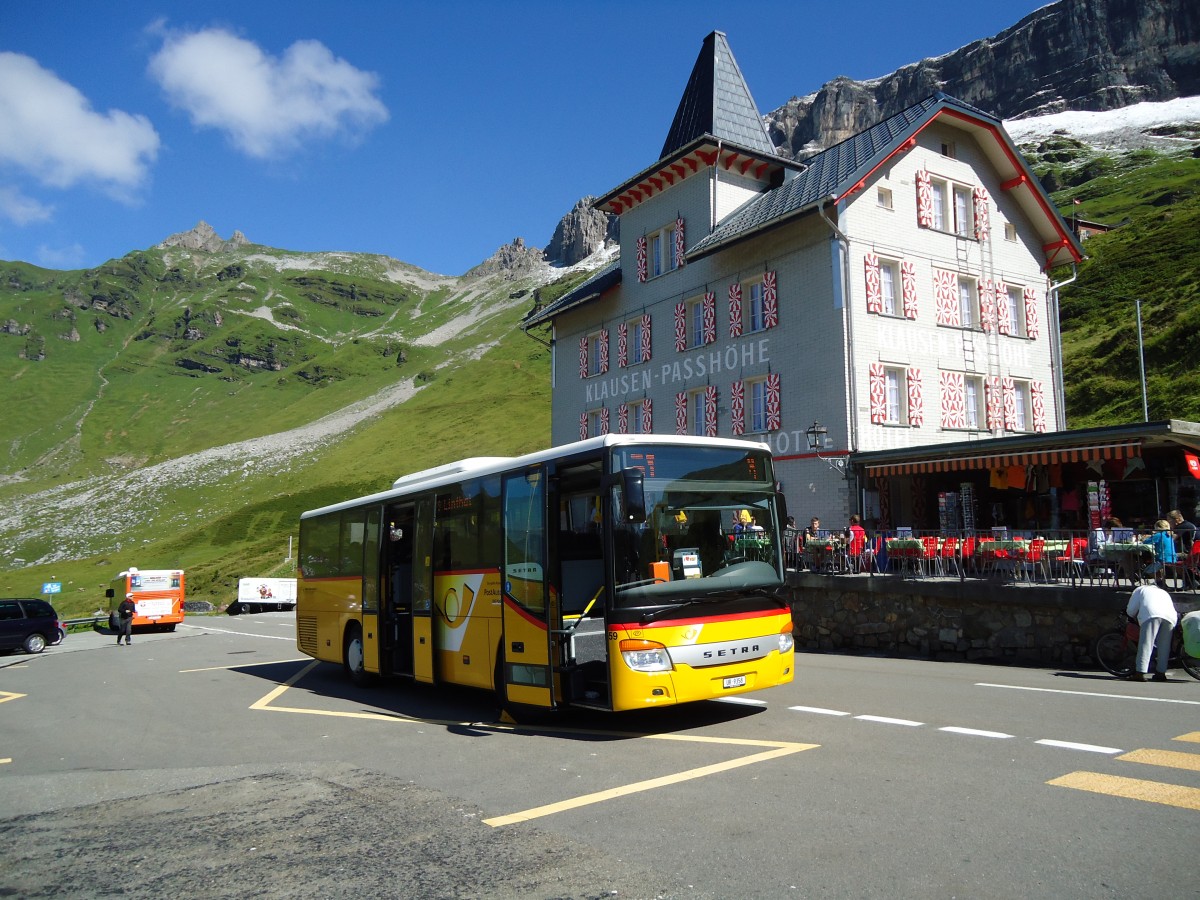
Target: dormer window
[{"x": 660, "y": 248}]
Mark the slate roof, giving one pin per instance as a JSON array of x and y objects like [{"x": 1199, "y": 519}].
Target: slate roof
[
  {"x": 829, "y": 174},
  {"x": 717, "y": 102}
]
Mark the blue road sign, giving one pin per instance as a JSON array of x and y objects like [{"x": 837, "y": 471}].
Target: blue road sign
[{"x": 52, "y": 587}]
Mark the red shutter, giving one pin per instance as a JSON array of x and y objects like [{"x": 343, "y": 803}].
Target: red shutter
[
  {"x": 1037, "y": 398},
  {"x": 583, "y": 426},
  {"x": 681, "y": 413},
  {"x": 679, "y": 247},
  {"x": 916, "y": 406},
  {"x": 1032, "y": 325},
  {"x": 946, "y": 296},
  {"x": 774, "y": 402},
  {"x": 647, "y": 415},
  {"x": 604, "y": 420},
  {"x": 924, "y": 200},
  {"x": 710, "y": 317},
  {"x": 583, "y": 357},
  {"x": 623, "y": 419},
  {"x": 622, "y": 345},
  {"x": 735, "y": 310},
  {"x": 1009, "y": 389},
  {"x": 680, "y": 327},
  {"x": 954, "y": 400},
  {"x": 987, "y": 305},
  {"x": 737, "y": 403},
  {"x": 770, "y": 300},
  {"x": 646, "y": 344},
  {"x": 995, "y": 404},
  {"x": 710, "y": 411},
  {"x": 874, "y": 289},
  {"x": 982, "y": 216},
  {"x": 908, "y": 287},
  {"x": 641, "y": 258},
  {"x": 877, "y": 388},
  {"x": 1003, "y": 313},
  {"x": 603, "y": 351}
]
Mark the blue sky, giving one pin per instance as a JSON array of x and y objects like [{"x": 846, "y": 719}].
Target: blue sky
[{"x": 432, "y": 132}]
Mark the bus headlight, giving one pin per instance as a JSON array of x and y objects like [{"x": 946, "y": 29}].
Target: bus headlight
[
  {"x": 786, "y": 640},
  {"x": 645, "y": 656}
]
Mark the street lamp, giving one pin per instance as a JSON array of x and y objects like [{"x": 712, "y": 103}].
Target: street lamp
[{"x": 818, "y": 435}]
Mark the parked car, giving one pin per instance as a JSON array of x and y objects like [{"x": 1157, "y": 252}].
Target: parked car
[{"x": 29, "y": 624}]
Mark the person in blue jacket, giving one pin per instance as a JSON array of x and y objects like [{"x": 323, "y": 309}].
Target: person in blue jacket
[{"x": 1163, "y": 543}]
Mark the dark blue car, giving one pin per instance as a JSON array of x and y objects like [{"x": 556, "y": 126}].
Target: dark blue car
[{"x": 29, "y": 625}]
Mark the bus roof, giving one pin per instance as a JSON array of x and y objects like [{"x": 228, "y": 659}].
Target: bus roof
[{"x": 481, "y": 466}]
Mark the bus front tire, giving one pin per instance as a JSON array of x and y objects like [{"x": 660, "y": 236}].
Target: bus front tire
[{"x": 354, "y": 658}]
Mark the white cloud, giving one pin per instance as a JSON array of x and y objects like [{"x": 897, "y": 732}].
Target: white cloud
[
  {"x": 266, "y": 105},
  {"x": 22, "y": 210},
  {"x": 51, "y": 132}
]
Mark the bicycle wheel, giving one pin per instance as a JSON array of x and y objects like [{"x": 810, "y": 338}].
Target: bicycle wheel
[
  {"x": 1191, "y": 664},
  {"x": 1115, "y": 653}
]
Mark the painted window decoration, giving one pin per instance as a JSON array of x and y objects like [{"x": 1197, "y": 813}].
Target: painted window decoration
[
  {"x": 647, "y": 416},
  {"x": 987, "y": 305},
  {"x": 644, "y": 342},
  {"x": 995, "y": 404},
  {"x": 874, "y": 284},
  {"x": 593, "y": 354},
  {"x": 735, "y": 309},
  {"x": 1032, "y": 325},
  {"x": 916, "y": 406},
  {"x": 641, "y": 259},
  {"x": 583, "y": 426},
  {"x": 954, "y": 413},
  {"x": 583, "y": 357},
  {"x": 774, "y": 402},
  {"x": 604, "y": 420},
  {"x": 602, "y": 351},
  {"x": 877, "y": 391},
  {"x": 623, "y": 419},
  {"x": 1009, "y": 392},
  {"x": 982, "y": 215},
  {"x": 770, "y": 300},
  {"x": 924, "y": 199},
  {"x": 679, "y": 243},
  {"x": 1003, "y": 308},
  {"x": 737, "y": 405},
  {"x": 623, "y": 346},
  {"x": 908, "y": 288},
  {"x": 1037, "y": 398},
  {"x": 709, "y": 318},
  {"x": 681, "y": 411},
  {"x": 710, "y": 411},
  {"x": 680, "y": 327},
  {"x": 945, "y": 293}
]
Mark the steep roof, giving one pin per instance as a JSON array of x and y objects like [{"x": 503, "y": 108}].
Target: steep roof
[
  {"x": 717, "y": 102},
  {"x": 843, "y": 169}
]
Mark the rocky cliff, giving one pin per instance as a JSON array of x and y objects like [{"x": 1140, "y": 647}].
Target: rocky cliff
[
  {"x": 1073, "y": 54},
  {"x": 204, "y": 237},
  {"x": 582, "y": 232}
]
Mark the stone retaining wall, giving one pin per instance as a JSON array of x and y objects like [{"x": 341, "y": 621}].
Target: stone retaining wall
[{"x": 972, "y": 620}]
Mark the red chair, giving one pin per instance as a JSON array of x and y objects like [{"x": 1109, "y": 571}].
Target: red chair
[
  {"x": 929, "y": 558},
  {"x": 1033, "y": 558},
  {"x": 949, "y": 556},
  {"x": 967, "y": 557}
]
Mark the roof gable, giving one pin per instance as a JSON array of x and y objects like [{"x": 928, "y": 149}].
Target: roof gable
[{"x": 717, "y": 102}]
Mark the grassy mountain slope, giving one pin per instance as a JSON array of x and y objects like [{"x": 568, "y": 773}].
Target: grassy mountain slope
[
  {"x": 182, "y": 408},
  {"x": 1154, "y": 256}
]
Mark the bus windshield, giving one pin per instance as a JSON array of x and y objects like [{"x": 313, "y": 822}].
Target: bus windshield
[{"x": 710, "y": 524}]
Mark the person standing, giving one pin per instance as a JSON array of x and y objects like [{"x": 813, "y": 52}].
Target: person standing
[
  {"x": 125, "y": 620},
  {"x": 1155, "y": 612}
]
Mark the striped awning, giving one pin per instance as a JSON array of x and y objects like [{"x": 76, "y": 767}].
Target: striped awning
[{"x": 1124, "y": 450}]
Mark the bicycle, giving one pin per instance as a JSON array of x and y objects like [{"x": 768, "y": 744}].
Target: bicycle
[{"x": 1115, "y": 651}]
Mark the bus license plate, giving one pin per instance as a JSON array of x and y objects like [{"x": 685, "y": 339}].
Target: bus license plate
[{"x": 735, "y": 681}]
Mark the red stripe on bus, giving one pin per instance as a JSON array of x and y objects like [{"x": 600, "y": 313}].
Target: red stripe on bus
[
  {"x": 523, "y": 613},
  {"x": 699, "y": 620}
]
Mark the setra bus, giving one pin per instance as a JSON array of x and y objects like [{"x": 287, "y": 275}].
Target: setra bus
[{"x": 604, "y": 574}]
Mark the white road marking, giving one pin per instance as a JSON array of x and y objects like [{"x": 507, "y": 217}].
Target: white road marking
[
  {"x": 954, "y": 729},
  {"x": 889, "y": 721},
  {"x": 210, "y": 628},
  {"x": 741, "y": 701},
  {"x": 1017, "y": 687},
  {"x": 819, "y": 711},
  {"x": 1071, "y": 745}
]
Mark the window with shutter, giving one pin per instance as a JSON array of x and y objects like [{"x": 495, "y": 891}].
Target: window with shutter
[
  {"x": 1037, "y": 397},
  {"x": 680, "y": 327},
  {"x": 874, "y": 287},
  {"x": 774, "y": 402},
  {"x": 647, "y": 416},
  {"x": 916, "y": 407},
  {"x": 681, "y": 411},
  {"x": 995, "y": 404},
  {"x": 710, "y": 318},
  {"x": 945, "y": 289},
  {"x": 641, "y": 258},
  {"x": 644, "y": 338},
  {"x": 1032, "y": 325},
  {"x": 924, "y": 200},
  {"x": 954, "y": 413},
  {"x": 622, "y": 345},
  {"x": 623, "y": 419},
  {"x": 770, "y": 300},
  {"x": 735, "y": 310},
  {"x": 987, "y": 305},
  {"x": 710, "y": 411},
  {"x": 679, "y": 243},
  {"x": 908, "y": 286},
  {"x": 1003, "y": 309},
  {"x": 877, "y": 389},
  {"x": 737, "y": 404}
]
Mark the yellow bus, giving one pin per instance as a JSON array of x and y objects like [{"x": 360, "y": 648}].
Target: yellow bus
[{"x": 606, "y": 574}]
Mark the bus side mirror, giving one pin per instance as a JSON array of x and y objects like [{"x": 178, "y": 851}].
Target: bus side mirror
[
  {"x": 633, "y": 494},
  {"x": 781, "y": 506}
]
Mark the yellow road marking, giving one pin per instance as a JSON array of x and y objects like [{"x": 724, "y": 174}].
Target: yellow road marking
[
  {"x": 8, "y": 695},
  {"x": 245, "y": 665},
  {"x": 1193, "y": 736},
  {"x": 1132, "y": 788},
  {"x": 1170, "y": 758},
  {"x": 7, "y": 759},
  {"x": 776, "y": 750},
  {"x": 781, "y": 749}
]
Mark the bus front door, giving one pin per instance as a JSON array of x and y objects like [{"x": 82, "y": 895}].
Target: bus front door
[
  {"x": 396, "y": 629},
  {"x": 524, "y": 673}
]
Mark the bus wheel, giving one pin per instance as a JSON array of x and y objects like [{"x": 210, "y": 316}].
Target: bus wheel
[{"x": 353, "y": 657}]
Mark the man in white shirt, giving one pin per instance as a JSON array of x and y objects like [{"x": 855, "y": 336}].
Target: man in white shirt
[{"x": 1155, "y": 612}]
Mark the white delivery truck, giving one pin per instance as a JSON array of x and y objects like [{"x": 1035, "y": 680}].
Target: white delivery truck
[{"x": 264, "y": 595}]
